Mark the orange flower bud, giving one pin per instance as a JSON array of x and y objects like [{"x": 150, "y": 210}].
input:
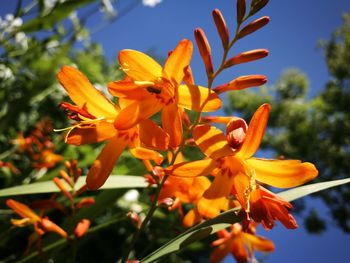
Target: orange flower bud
[
  {"x": 246, "y": 57},
  {"x": 221, "y": 27},
  {"x": 204, "y": 49},
  {"x": 50, "y": 226},
  {"x": 242, "y": 82},
  {"x": 235, "y": 132},
  {"x": 253, "y": 26},
  {"x": 241, "y": 8},
  {"x": 81, "y": 228},
  {"x": 66, "y": 177},
  {"x": 257, "y": 5},
  {"x": 85, "y": 202},
  {"x": 62, "y": 187},
  {"x": 81, "y": 190}
]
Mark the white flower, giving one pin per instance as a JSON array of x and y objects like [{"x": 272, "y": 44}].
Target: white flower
[
  {"x": 5, "y": 73},
  {"x": 21, "y": 40},
  {"x": 151, "y": 3},
  {"x": 131, "y": 196}
]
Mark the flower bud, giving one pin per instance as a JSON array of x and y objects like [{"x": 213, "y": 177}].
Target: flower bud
[
  {"x": 253, "y": 26},
  {"x": 246, "y": 57},
  {"x": 236, "y": 130},
  {"x": 257, "y": 5},
  {"x": 204, "y": 50},
  {"x": 62, "y": 187},
  {"x": 66, "y": 177},
  {"x": 221, "y": 27},
  {"x": 81, "y": 228},
  {"x": 85, "y": 202},
  {"x": 50, "y": 226},
  {"x": 241, "y": 8},
  {"x": 242, "y": 82}
]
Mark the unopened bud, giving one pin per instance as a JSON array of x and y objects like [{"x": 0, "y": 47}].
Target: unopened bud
[
  {"x": 81, "y": 228},
  {"x": 85, "y": 202},
  {"x": 253, "y": 26},
  {"x": 257, "y": 5},
  {"x": 221, "y": 27},
  {"x": 235, "y": 132},
  {"x": 67, "y": 178},
  {"x": 241, "y": 8},
  {"x": 246, "y": 57},
  {"x": 50, "y": 226},
  {"x": 62, "y": 187},
  {"x": 204, "y": 50},
  {"x": 242, "y": 82},
  {"x": 136, "y": 219}
]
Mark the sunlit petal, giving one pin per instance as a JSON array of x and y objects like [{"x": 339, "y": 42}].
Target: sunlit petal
[
  {"x": 147, "y": 154},
  {"x": 139, "y": 66},
  {"x": 178, "y": 60},
  {"x": 103, "y": 165},
  {"x": 172, "y": 124},
  {"x": 191, "y": 218},
  {"x": 81, "y": 91},
  {"x": 191, "y": 169},
  {"x": 127, "y": 88},
  {"x": 255, "y": 132},
  {"x": 192, "y": 97},
  {"x": 211, "y": 141},
  {"x": 152, "y": 136},
  {"x": 282, "y": 173}
]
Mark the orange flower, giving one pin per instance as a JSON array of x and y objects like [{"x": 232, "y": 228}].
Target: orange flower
[
  {"x": 240, "y": 244},
  {"x": 29, "y": 217},
  {"x": 97, "y": 116},
  {"x": 149, "y": 88},
  {"x": 229, "y": 160}
]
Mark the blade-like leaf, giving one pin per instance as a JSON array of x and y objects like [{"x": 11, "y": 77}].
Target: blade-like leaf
[
  {"x": 302, "y": 191},
  {"x": 114, "y": 181},
  {"x": 194, "y": 234},
  {"x": 230, "y": 217}
]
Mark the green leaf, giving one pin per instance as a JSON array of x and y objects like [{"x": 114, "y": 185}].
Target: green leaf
[
  {"x": 113, "y": 182},
  {"x": 57, "y": 14},
  {"x": 225, "y": 219},
  {"x": 301, "y": 191},
  {"x": 194, "y": 234}
]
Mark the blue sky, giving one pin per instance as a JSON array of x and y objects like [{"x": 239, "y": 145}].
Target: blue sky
[{"x": 291, "y": 37}]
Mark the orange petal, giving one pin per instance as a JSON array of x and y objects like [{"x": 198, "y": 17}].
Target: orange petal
[
  {"x": 139, "y": 66},
  {"x": 178, "y": 60},
  {"x": 211, "y": 208},
  {"x": 172, "y": 123},
  {"x": 50, "y": 226},
  {"x": 220, "y": 187},
  {"x": 127, "y": 88},
  {"x": 151, "y": 135},
  {"x": 147, "y": 154},
  {"x": 282, "y": 173},
  {"x": 22, "y": 210},
  {"x": 97, "y": 132},
  {"x": 241, "y": 184},
  {"x": 192, "y": 97},
  {"x": 222, "y": 251},
  {"x": 211, "y": 141},
  {"x": 258, "y": 243},
  {"x": 191, "y": 169},
  {"x": 255, "y": 132},
  {"x": 81, "y": 91},
  {"x": 191, "y": 218},
  {"x": 103, "y": 165},
  {"x": 135, "y": 112}
]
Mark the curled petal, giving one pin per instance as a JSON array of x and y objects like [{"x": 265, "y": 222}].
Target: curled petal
[
  {"x": 282, "y": 173},
  {"x": 192, "y": 97},
  {"x": 81, "y": 91},
  {"x": 103, "y": 165},
  {"x": 178, "y": 60},
  {"x": 139, "y": 66},
  {"x": 255, "y": 132},
  {"x": 211, "y": 141}
]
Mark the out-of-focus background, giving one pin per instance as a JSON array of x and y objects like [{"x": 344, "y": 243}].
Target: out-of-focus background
[{"x": 308, "y": 87}]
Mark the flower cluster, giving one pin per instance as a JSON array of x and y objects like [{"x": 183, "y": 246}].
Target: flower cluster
[{"x": 229, "y": 175}]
